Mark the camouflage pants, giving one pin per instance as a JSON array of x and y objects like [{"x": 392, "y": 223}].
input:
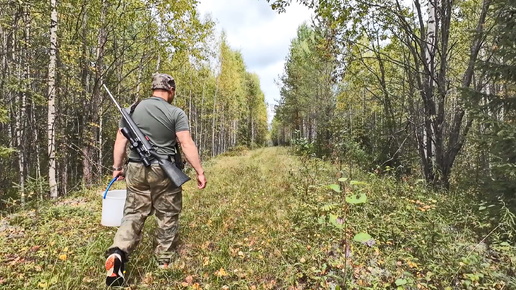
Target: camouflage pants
[{"x": 149, "y": 191}]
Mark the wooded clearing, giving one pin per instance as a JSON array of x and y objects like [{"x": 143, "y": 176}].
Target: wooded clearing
[{"x": 399, "y": 118}]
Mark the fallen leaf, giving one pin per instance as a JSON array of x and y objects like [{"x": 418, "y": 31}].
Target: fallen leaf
[{"x": 221, "y": 273}]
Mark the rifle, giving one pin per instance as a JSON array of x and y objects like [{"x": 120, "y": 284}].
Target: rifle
[{"x": 141, "y": 145}]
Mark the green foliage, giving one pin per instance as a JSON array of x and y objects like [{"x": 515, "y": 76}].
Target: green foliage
[
  {"x": 301, "y": 146},
  {"x": 4, "y": 151},
  {"x": 386, "y": 93},
  {"x": 307, "y": 101},
  {"x": 418, "y": 238},
  {"x": 494, "y": 110},
  {"x": 35, "y": 190},
  {"x": 361, "y": 237}
]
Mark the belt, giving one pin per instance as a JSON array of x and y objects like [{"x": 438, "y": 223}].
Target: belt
[{"x": 153, "y": 161}]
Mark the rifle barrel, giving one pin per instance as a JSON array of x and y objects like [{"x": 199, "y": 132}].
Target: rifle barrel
[{"x": 113, "y": 98}]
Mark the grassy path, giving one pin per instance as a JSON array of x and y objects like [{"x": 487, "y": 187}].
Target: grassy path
[
  {"x": 230, "y": 231},
  {"x": 268, "y": 220}
]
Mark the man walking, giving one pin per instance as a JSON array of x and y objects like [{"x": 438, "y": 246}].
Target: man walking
[{"x": 149, "y": 190}]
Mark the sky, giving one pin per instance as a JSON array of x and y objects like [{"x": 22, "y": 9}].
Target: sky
[{"x": 262, "y": 36}]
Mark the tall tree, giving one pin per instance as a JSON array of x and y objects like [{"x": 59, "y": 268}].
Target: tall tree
[{"x": 52, "y": 72}]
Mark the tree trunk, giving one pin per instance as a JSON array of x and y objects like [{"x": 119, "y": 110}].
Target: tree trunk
[
  {"x": 19, "y": 110},
  {"x": 213, "y": 121},
  {"x": 201, "y": 123},
  {"x": 52, "y": 72},
  {"x": 92, "y": 135}
]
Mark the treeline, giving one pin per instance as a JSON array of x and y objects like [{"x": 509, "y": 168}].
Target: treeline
[
  {"x": 419, "y": 87},
  {"x": 58, "y": 124}
]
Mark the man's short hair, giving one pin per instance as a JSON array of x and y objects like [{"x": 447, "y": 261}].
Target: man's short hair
[{"x": 162, "y": 81}]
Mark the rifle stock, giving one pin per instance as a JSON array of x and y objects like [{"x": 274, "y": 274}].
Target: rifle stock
[
  {"x": 141, "y": 145},
  {"x": 175, "y": 174}
]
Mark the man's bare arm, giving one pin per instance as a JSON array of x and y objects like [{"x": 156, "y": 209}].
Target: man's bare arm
[
  {"x": 192, "y": 156},
  {"x": 119, "y": 152}
]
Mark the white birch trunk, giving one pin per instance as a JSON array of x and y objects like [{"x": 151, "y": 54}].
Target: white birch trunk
[
  {"x": 201, "y": 116},
  {"x": 100, "y": 142},
  {"x": 38, "y": 160},
  {"x": 17, "y": 109},
  {"x": 23, "y": 61},
  {"x": 431, "y": 47},
  {"x": 213, "y": 122},
  {"x": 51, "y": 100}
]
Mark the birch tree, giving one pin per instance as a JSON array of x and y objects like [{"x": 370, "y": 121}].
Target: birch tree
[{"x": 52, "y": 72}]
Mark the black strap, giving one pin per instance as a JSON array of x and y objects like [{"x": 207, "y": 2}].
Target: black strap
[{"x": 133, "y": 106}]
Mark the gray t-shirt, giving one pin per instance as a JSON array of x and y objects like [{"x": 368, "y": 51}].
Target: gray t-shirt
[{"x": 159, "y": 121}]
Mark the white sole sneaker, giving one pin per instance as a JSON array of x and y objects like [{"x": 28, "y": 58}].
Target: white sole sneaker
[{"x": 115, "y": 270}]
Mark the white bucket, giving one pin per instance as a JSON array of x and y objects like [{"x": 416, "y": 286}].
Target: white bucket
[{"x": 113, "y": 207}]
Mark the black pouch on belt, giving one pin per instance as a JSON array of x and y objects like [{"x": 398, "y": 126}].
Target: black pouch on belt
[{"x": 177, "y": 159}]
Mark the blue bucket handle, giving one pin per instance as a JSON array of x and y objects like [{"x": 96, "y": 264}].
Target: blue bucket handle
[{"x": 111, "y": 183}]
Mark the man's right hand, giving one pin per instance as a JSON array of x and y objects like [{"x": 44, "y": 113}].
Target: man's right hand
[{"x": 119, "y": 174}]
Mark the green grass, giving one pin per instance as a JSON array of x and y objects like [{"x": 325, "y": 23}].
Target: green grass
[{"x": 267, "y": 220}]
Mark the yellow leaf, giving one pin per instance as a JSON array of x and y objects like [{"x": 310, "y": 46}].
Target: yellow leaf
[
  {"x": 221, "y": 273},
  {"x": 411, "y": 264},
  {"x": 62, "y": 257}
]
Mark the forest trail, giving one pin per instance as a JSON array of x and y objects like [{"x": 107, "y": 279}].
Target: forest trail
[{"x": 267, "y": 220}]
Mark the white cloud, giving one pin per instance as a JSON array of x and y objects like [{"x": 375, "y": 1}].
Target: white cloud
[{"x": 262, "y": 35}]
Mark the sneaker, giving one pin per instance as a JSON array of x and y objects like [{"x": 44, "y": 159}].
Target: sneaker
[
  {"x": 163, "y": 264},
  {"x": 115, "y": 270}
]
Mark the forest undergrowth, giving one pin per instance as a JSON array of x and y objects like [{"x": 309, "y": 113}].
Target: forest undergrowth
[{"x": 272, "y": 220}]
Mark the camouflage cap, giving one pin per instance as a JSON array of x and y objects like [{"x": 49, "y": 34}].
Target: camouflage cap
[{"x": 163, "y": 82}]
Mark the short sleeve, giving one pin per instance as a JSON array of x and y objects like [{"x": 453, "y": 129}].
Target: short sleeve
[{"x": 182, "y": 122}]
